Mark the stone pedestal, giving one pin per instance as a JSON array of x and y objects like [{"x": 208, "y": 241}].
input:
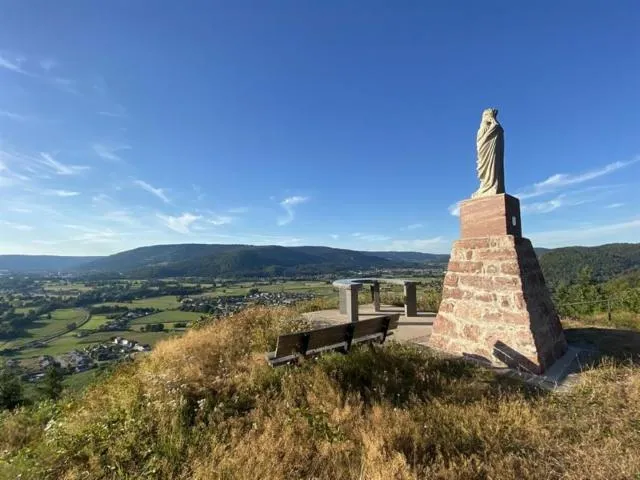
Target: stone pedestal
[
  {"x": 495, "y": 304},
  {"x": 491, "y": 215}
]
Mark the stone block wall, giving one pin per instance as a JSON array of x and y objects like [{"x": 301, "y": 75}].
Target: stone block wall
[{"x": 496, "y": 306}]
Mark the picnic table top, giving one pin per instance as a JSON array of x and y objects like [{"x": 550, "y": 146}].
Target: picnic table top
[{"x": 347, "y": 282}]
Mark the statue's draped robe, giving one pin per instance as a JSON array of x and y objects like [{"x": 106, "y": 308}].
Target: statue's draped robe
[{"x": 490, "y": 146}]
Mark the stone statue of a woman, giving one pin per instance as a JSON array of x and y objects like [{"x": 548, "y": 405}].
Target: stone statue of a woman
[{"x": 490, "y": 147}]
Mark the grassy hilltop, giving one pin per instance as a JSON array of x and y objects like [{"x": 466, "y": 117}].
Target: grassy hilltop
[{"x": 206, "y": 406}]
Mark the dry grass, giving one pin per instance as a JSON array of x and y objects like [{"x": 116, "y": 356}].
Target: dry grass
[{"x": 206, "y": 406}]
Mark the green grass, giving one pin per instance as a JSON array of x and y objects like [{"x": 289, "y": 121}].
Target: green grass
[
  {"x": 64, "y": 288},
  {"x": 45, "y": 327},
  {"x": 167, "y": 316},
  {"x": 165, "y": 302},
  {"x": 24, "y": 310},
  {"x": 95, "y": 321},
  {"x": 79, "y": 380},
  {"x": 69, "y": 342}
]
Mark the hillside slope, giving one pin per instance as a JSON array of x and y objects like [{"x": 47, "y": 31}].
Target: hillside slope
[
  {"x": 207, "y": 406},
  {"x": 220, "y": 260},
  {"x": 562, "y": 265}
]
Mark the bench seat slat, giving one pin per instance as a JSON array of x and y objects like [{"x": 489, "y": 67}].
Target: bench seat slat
[
  {"x": 327, "y": 336},
  {"x": 336, "y": 337}
]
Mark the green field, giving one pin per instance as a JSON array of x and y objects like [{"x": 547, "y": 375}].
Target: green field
[
  {"x": 95, "y": 322},
  {"x": 24, "y": 310},
  {"x": 68, "y": 342},
  {"x": 65, "y": 288},
  {"x": 45, "y": 327},
  {"x": 166, "y": 302},
  {"x": 319, "y": 288},
  {"x": 168, "y": 316}
]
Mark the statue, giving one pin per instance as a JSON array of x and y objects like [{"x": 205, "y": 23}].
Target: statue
[{"x": 490, "y": 147}]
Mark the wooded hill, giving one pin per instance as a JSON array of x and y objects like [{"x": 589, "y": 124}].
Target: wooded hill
[
  {"x": 560, "y": 265},
  {"x": 563, "y": 265}
]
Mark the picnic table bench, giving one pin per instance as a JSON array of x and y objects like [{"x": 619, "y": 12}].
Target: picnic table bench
[{"x": 293, "y": 346}]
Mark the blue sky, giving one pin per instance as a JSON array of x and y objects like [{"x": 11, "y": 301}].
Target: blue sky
[{"x": 341, "y": 123}]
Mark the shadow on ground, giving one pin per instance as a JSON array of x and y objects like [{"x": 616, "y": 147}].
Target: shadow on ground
[{"x": 608, "y": 342}]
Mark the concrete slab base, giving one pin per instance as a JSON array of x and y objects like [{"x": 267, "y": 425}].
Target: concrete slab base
[{"x": 561, "y": 376}]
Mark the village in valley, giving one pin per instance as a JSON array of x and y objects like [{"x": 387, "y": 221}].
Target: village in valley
[{"x": 58, "y": 328}]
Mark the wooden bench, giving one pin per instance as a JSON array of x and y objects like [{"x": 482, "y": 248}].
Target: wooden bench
[{"x": 342, "y": 337}]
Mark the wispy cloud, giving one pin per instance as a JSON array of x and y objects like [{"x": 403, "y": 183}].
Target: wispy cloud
[
  {"x": 18, "y": 226},
  {"x": 65, "y": 84},
  {"x": 94, "y": 235},
  {"x": 120, "y": 216},
  {"x": 220, "y": 220},
  {"x": 15, "y": 63},
  {"x": 289, "y": 205},
  {"x": 109, "y": 152},
  {"x": 560, "y": 180},
  {"x": 615, "y": 205},
  {"x": 334, "y": 236},
  {"x": 61, "y": 193},
  {"x": 273, "y": 240},
  {"x": 12, "y": 63},
  {"x": 100, "y": 198},
  {"x": 18, "y": 117},
  {"x": 48, "y": 64},
  {"x": 179, "y": 224},
  {"x": 414, "y": 226},
  {"x": 117, "y": 111},
  {"x": 419, "y": 245},
  {"x": 588, "y": 235},
  {"x": 158, "y": 192},
  {"x": 571, "y": 199},
  {"x": 368, "y": 237},
  {"x": 239, "y": 210},
  {"x": 556, "y": 182},
  {"x": 454, "y": 208},
  {"x": 19, "y": 209},
  {"x": 60, "y": 168}
]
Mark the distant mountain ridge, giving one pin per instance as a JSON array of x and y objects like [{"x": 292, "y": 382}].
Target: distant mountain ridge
[
  {"x": 220, "y": 260},
  {"x": 559, "y": 265},
  {"x": 42, "y": 263}
]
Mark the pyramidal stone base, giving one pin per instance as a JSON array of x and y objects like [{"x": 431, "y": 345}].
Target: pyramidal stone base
[{"x": 496, "y": 307}]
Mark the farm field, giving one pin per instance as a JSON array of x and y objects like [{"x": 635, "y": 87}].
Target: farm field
[
  {"x": 65, "y": 288},
  {"x": 165, "y": 302},
  {"x": 167, "y": 316},
  {"x": 95, "y": 322},
  {"x": 69, "y": 341},
  {"x": 24, "y": 310},
  {"x": 46, "y": 327}
]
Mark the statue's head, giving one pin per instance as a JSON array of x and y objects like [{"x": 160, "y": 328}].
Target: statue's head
[{"x": 489, "y": 113}]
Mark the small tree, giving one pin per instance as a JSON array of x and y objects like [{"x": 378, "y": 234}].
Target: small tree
[
  {"x": 11, "y": 394},
  {"x": 51, "y": 385},
  {"x": 71, "y": 326}
]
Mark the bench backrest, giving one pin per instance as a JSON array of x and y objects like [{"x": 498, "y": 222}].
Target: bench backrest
[{"x": 335, "y": 337}]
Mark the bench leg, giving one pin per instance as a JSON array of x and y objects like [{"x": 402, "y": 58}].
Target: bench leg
[
  {"x": 375, "y": 292},
  {"x": 352, "y": 302},
  {"x": 410, "y": 300}
]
